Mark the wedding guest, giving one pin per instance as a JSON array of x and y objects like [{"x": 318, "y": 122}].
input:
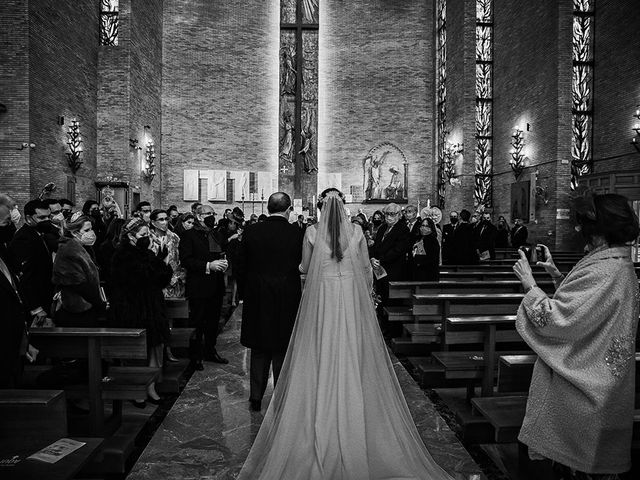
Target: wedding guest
[
  {"x": 302, "y": 225},
  {"x": 51, "y": 228},
  {"x": 262, "y": 218},
  {"x": 253, "y": 218},
  {"x": 448, "y": 236},
  {"x": 76, "y": 276},
  {"x": 464, "y": 250},
  {"x": 519, "y": 233},
  {"x": 185, "y": 222},
  {"x": 14, "y": 338},
  {"x": 194, "y": 206},
  {"x": 486, "y": 238},
  {"x": 106, "y": 250},
  {"x": 502, "y": 233},
  {"x": 413, "y": 221},
  {"x": 67, "y": 208},
  {"x": 201, "y": 256},
  {"x": 138, "y": 277},
  {"x": 162, "y": 237},
  {"x": 143, "y": 210},
  {"x": 392, "y": 244},
  {"x": 580, "y": 406},
  {"x": 33, "y": 261},
  {"x": 91, "y": 209},
  {"x": 424, "y": 262}
]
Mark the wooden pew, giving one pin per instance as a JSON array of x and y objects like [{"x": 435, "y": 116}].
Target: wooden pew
[
  {"x": 29, "y": 421},
  {"x": 406, "y": 290},
  {"x": 95, "y": 344}
]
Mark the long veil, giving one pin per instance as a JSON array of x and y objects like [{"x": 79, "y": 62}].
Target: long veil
[{"x": 338, "y": 411}]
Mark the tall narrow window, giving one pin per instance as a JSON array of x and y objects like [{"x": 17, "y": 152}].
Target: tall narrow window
[
  {"x": 109, "y": 22},
  {"x": 482, "y": 194},
  {"x": 298, "y": 146},
  {"x": 582, "y": 89},
  {"x": 441, "y": 77}
]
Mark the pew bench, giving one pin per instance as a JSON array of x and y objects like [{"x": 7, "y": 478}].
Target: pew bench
[
  {"x": 504, "y": 413},
  {"x": 96, "y": 344}
]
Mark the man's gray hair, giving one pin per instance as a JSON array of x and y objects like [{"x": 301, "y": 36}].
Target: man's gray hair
[{"x": 391, "y": 208}]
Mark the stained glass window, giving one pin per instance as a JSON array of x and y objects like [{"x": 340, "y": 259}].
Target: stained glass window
[{"x": 109, "y": 22}]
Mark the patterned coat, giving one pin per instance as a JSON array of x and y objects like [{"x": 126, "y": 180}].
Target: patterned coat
[{"x": 580, "y": 406}]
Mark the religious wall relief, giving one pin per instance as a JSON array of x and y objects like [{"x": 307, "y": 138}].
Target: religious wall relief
[{"x": 385, "y": 174}]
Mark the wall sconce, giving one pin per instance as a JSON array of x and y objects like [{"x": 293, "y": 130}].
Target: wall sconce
[
  {"x": 517, "y": 157},
  {"x": 451, "y": 151},
  {"x": 635, "y": 141},
  {"x": 26, "y": 145},
  {"x": 149, "y": 170},
  {"x": 74, "y": 141}
]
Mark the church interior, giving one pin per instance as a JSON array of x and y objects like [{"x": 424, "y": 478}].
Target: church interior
[{"x": 508, "y": 108}]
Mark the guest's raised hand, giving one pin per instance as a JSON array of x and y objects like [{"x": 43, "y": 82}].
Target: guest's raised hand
[
  {"x": 523, "y": 271},
  {"x": 548, "y": 264}
]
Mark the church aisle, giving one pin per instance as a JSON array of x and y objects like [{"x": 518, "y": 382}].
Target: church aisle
[{"x": 209, "y": 431}]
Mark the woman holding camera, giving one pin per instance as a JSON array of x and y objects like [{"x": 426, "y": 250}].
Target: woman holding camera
[{"x": 580, "y": 407}]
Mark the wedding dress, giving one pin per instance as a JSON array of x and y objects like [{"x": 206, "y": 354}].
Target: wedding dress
[{"x": 338, "y": 411}]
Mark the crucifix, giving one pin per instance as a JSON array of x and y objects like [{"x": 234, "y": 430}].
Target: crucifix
[{"x": 298, "y": 146}]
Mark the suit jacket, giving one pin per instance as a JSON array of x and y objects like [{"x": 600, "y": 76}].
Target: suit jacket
[
  {"x": 392, "y": 250},
  {"x": 487, "y": 232},
  {"x": 447, "y": 244},
  {"x": 270, "y": 254},
  {"x": 519, "y": 236},
  {"x": 34, "y": 266},
  {"x": 464, "y": 246},
  {"x": 415, "y": 229},
  {"x": 14, "y": 326},
  {"x": 199, "y": 246}
]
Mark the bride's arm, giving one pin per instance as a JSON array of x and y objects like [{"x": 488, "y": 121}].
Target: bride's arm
[{"x": 307, "y": 248}]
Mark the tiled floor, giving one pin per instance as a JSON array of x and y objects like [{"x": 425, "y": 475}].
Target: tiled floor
[{"x": 208, "y": 432}]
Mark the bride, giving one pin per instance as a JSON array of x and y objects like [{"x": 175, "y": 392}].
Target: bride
[{"x": 338, "y": 411}]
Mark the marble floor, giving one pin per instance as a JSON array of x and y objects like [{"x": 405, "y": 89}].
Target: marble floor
[{"x": 208, "y": 432}]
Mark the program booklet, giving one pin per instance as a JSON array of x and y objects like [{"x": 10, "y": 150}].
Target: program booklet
[{"x": 57, "y": 450}]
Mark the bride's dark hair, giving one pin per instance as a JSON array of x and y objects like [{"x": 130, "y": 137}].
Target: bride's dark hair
[{"x": 333, "y": 221}]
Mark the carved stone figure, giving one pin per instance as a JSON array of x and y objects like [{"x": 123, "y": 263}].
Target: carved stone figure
[
  {"x": 395, "y": 189},
  {"x": 372, "y": 165},
  {"x": 286, "y": 143},
  {"x": 307, "y": 151}
]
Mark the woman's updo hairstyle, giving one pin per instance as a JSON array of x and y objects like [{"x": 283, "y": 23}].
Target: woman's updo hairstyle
[
  {"x": 609, "y": 216},
  {"x": 324, "y": 194},
  {"x": 132, "y": 227},
  {"x": 76, "y": 225}
]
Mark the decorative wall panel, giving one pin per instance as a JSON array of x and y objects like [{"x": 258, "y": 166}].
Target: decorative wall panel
[
  {"x": 582, "y": 89},
  {"x": 441, "y": 86}
]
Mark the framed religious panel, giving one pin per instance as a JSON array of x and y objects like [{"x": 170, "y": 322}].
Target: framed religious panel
[
  {"x": 385, "y": 175},
  {"x": 520, "y": 200}
]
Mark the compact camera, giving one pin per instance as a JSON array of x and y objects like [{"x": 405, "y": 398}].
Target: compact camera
[{"x": 533, "y": 254}]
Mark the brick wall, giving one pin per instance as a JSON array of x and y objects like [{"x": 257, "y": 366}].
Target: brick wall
[
  {"x": 617, "y": 84},
  {"x": 63, "y": 55},
  {"x": 377, "y": 85},
  {"x": 219, "y": 90},
  {"x": 14, "y": 85}
]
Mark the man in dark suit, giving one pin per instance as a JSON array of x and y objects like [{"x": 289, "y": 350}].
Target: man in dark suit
[
  {"x": 270, "y": 254},
  {"x": 32, "y": 260},
  {"x": 519, "y": 233},
  {"x": 447, "y": 238},
  {"x": 13, "y": 341},
  {"x": 487, "y": 232},
  {"x": 201, "y": 255},
  {"x": 464, "y": 250},
  {"x": 390, "y": 249},
  {"x": 413, "y": 221}
]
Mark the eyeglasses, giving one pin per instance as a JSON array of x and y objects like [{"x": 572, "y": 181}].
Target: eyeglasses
[
  {"x": 207, "y": 214},
  {"x": 163, "y": 219},
  {"x": 391, "y": 214},
  {"x": 146, "y": 210}
]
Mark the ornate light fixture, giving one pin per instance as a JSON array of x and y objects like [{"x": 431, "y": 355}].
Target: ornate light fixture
[
  {"x": 149, "y": 170},
  {"x": 517, "y": 157},
  {"x": 451, "y": 151},
  {"x": 74, "y": 141},
  {"x": 635, "y": 141}
]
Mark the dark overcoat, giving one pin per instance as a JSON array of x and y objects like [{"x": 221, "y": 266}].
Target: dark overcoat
[
  {"x": 199, "y": 246},
  {"x": 14, "y": 324},
  {"x": 393, "y": 249},
  {"x": 269, "y": 257},
  {"x": 33, "y": 264},
  {"x": 137, "y": 279}
]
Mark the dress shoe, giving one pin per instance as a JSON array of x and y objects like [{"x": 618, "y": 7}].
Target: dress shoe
[
  {"x": 214, "y": 357},
  {"x": 255, "y": 405}
]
